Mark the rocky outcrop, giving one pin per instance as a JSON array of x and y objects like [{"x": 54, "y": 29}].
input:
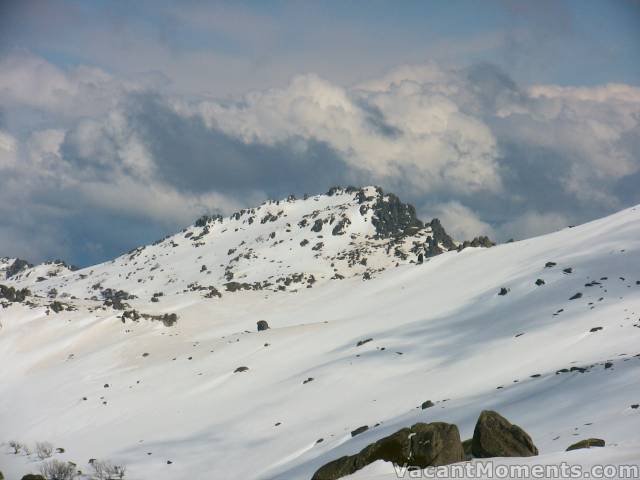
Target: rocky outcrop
[
  {"x": 495, "y": 436},
  {"x": 422, "y": 445},
  {"x": 391, "y": 217},
  {"x": 439, "y": 241},
  {"x": 588, "y": 443},
  {"x": 482, "y": 241},
  {"x": 16, "y": 267}
]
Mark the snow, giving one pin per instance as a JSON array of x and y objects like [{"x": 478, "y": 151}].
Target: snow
[{"x": 440, "y": 332}]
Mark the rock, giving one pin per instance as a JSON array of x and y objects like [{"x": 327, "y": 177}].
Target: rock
[
  {"x": 466, "y": 446},
  {"x": 317, "y": 226},
  {"x": 495, "y": 436},
  {"x": 550, "y": 264},
  {"x": 16, "y": 267},
  {"x": 427, "y": 404},
  {"x": 391, "y": 217},
  {"x": 362, "y": 342},
  {"x": 241, "y": 369},
  {"x": 539, "y": 282},
  {"x": 32, "y": 476},
  {"x": 595, "y": 329},
  {"x": 422, "y": 445},
  {"x": 576, "y": 296},
  {"x": 503, "y": 291},
  {"x": 590, "y": 442},
  {"x": 482, "y": 241},
  {"x": 359, "y": 430},
  {"x": 262, "y": 325},
  {"x": 568, "y": 270}
]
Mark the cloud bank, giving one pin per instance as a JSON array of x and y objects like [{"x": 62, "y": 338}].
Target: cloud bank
[{"x": 91, "y": 166}]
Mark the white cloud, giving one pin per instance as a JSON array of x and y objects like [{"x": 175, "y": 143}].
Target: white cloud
[
  {"x": 441, "y": 137},
  {"x": 458, "y": 220},
  {"x": 408, "y": 130},
  {"x": 7, "y": 150}
]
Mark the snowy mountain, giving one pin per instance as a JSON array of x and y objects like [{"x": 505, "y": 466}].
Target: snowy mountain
[
  {"x": 280, "y": 245},
  {"x": 371, "y": 313}
]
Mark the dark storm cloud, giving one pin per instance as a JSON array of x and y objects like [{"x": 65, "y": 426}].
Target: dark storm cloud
[{"x": 194, "y": 158}]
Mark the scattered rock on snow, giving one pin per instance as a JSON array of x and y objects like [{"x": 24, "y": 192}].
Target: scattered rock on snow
[
  {"x": 262, "y": 325},
  {"x": 241, "y": 369},
  {"x": 427, "y": 404},
  {"x": 359, "y": 430},
  {"x": 588, "y": 443}
]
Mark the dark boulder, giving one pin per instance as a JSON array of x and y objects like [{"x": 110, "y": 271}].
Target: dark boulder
[
  {"x": 33, "y": 476},
  {"x": 427, "y": 404},
  {"x": 495, "y": 436},
  {"x": 359, "y": 430},
  {"x": 241, "y": 369},
  {"x": 262, "y": 325},
  {"x": 503, "y": 291},
  {"x": 317, "y": 226},
  {"x": 422, "y": 445},
  {"x": 539, "y": 282},
  {"x": 590, "y": 442}
]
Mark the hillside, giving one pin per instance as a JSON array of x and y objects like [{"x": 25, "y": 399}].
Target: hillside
[{"x": 382, "y": 316}]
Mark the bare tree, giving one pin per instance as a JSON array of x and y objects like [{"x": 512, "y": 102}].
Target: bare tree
[
  {"x": 44, "y": 450},
  {"x": 104, "y": 470},
  {"x": 57, "y": 470},
  {"x": 17, "y": 446},
  {"x": 26, "y": 449}
]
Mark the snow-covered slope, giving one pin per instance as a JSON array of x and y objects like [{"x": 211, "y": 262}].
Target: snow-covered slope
[{"x": 144, "y": 394}]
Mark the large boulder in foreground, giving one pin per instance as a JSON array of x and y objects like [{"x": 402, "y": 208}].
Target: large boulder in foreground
[
  {"x": 588, "y": 443},
  {"x": 422, "y": 445},
  {"x": 495, "y": 436},
  {"x": 33, "y": 476}
]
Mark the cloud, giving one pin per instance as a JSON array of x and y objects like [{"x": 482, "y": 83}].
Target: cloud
[
  {"x": 86, "y": 155},
  {"x": 532, "y": 223},
  {"x": 460, "y": 221}
]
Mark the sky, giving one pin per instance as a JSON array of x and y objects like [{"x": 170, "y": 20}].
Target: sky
[{"x": 123, "y": 121}]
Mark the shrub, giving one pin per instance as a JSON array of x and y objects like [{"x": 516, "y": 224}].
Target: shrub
[
  {"x": 44, "y": 450},
  {"x": 17, "y": 446},
  {"x": 104, "y": 470},
  {"x": 56, "y": 470}
]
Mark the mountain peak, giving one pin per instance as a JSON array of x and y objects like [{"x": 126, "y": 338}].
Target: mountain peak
[{"x": 280, "y": 245}]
